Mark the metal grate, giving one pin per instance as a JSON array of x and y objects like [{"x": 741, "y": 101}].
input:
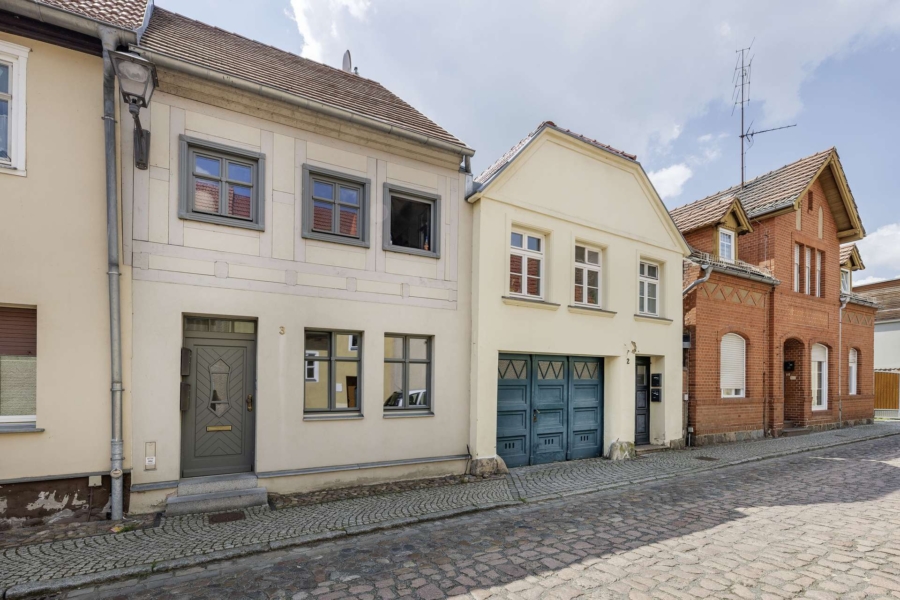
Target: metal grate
[
  {"x": 226, "y": 517},
  {"x": 706, "y": 458}
]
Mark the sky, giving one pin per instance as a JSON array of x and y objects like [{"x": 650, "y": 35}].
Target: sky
[{"x": 649, "y": 77}]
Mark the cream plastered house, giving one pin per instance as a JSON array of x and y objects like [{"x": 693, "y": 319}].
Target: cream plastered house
[
  {"x": 301, "y": 257},
  {"x": 55, "y": 348},
  {"x": 576, "y": 335}
]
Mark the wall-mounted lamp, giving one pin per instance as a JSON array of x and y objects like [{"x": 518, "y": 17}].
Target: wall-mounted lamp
[{"x": 137, "y": 80}]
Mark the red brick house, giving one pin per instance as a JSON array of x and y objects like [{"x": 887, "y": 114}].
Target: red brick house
[{"x": 773, "y": 342}]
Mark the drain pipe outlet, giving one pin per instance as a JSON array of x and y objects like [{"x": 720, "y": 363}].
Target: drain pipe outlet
[
  {"x": 707, "y": 271},
  {"x": 110, "y": 40}
]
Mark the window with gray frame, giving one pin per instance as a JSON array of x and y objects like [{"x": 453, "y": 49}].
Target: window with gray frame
[
  {"x": 221, "y": 184},
  {"x": 332, "y": 372},
  {"x": 335, "y": 207},
  {"x": 412, "y": 221},
  {"x": 407, "y": 372}
]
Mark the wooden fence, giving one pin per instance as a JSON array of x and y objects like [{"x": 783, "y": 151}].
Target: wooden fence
[{"x": 887, "y": 391}]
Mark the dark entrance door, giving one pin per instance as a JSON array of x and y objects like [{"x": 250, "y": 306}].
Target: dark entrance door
[
  {"x": 642, "y": 400},
  {"x": 218, "y": 428},
  {"x": 549, "y": 408}
]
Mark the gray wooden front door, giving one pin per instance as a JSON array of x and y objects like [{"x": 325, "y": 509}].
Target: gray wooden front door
[
  {"x": 642, "y": 400},
  {"x": 219, "y": 426}
]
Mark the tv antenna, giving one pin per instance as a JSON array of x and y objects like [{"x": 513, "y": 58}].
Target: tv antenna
[{"x": 741, "y": 98}]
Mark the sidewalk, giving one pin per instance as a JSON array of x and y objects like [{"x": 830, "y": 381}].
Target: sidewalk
[{"x": 186, "y": 541}]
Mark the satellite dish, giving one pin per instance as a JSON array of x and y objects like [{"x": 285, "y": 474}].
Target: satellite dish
[{"x": 348, "y": 64}]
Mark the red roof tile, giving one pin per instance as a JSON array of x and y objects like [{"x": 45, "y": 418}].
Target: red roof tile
[{"x": 128, "y": 14}]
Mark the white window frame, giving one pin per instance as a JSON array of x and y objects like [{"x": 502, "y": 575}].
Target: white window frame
[
  {"x": 731, "y": 240},
  {"x": 846, "y": 290},
  {"x": 797, "y": 267},
  {"x": 852, "y": 372},
  {"x": 311, "y": 363},
  {"x": 17, "y": 58},
  {"x": 818, "y": 273},
  {"x": 351, "y": 347},
  {"x": 815, "y": 365},
  {"x": 586, "y": 267},
  {"x": 807, "y": 269},
  {"x": 526, "y": 254},
  {"x": 644, "y": 282},
  {"x": 734, "y": 392}
]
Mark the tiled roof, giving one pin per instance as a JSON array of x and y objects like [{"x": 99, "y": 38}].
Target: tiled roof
[
  {"x": 212, "y": 48},
  {"x": 846, "y": 252},
  {"x": 769, "y": 192},
  {"x": 887, "y": 294},
  {"x": 863, "y": 299},
  {"x": 701, "y": 213},
  {"x": 510, "y": 154},
  {"x": 128, "y": 14}
]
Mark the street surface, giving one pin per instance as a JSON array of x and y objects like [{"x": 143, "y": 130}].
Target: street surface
[{"x": 822, "y": 524}]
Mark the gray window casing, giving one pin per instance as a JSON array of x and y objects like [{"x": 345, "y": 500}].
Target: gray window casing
[
  {"x": 406, "y": 361},
  {"x": 185, "y": 173},
  {"x": 306, "y": 231},
  {"x": 332, "y": 361},
  {"x": 435, "y": 200}
]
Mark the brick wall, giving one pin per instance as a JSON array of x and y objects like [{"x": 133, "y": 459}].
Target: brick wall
[{"x": 786, "y": 328}]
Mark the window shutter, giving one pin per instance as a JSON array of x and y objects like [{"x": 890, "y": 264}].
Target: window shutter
[
  {"x": 733, "y": 361},
  {"x": 18, "y": 331},
  {"x": 819, "y": 353}
]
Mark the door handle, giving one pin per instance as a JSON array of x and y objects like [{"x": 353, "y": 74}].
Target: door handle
[
  {"x": 249, "y": 402},
  {"x": 534, "y": 415}
]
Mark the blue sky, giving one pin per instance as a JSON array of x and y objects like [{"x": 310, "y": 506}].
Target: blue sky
[{"x": 647, "y": 77}]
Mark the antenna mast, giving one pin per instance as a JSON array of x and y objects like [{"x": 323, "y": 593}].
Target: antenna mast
[{"x": 741, "y": 98}]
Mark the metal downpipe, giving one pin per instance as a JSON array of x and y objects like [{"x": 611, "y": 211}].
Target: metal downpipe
[
  {"x": 110, "y": 40},
  {"x": 707, "y": 271}
]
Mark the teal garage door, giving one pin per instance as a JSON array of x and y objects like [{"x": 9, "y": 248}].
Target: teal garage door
[{"x": 549, "y": 408}]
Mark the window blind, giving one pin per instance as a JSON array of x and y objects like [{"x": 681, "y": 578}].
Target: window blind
[{"x": 732, "y": 367}]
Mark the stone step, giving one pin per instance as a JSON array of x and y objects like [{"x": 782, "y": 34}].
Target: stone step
[
  {"x": 193, "y": 486},
  {"x": 649, "y": 449},
  {"x": 794, "y": 431},
  {"x": 216, "y": 501}
]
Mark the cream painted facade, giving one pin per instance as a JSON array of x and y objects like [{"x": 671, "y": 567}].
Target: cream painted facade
[
  {"x": 54, "y": 260},
  {"x": 573, "y": 193},
  {"x": 291, "y": 284}
]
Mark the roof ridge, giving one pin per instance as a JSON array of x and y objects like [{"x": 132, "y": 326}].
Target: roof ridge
[{"x": 276, "y": 48}]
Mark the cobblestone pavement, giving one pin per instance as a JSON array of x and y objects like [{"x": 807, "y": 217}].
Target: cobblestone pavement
[
  {"x": 190, "y": 540},
  {"x": 824, "y": 524}
]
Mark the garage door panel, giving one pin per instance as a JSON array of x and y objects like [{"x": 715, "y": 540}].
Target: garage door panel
[
  {"x": 586, "y": 408},
  {"x": 514, "y": 410},
  {"x": 588, "y": 416},
  {"x": 586, "y": 440},
  {"x": 512, "y": 420}
]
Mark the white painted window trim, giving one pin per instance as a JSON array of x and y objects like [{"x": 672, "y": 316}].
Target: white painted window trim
[
  {"x": 585, "y": 267},
  {"x": 17, "y": 57},
  {"x": 807, "y": 268},
  {"x": 526, "y": 254},
  {"x": 797, "y": 267},
  {"x": 733, "y": 392},
  {"x": 731, "y": 239},
  {"x": 814, "y": 382},
  {"x": 852, "y": 361},
  {"x": 314, "y": 364},
  {"x": 351, "y": 347},
  {"x": 819, "y": 273},
  {"x": 647, "y": 280},
  {"x": 847, "y": 289}
]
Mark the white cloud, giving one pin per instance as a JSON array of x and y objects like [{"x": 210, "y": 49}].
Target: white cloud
[
  {"x": 314, "y": 16},
  {"x": 670, "y": 180},
  {"x": 880, "y": 250}
]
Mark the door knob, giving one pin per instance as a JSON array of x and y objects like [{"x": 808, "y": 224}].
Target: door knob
[
  {"x": 534, "y": 415},
  {"x": 249, "y": 402}
]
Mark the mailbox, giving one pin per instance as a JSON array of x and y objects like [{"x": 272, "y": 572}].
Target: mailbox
[
  {"x": 788, "y": 366},
  {"x": 656, "y": 380},
  {"x": 656, "y": 395}
]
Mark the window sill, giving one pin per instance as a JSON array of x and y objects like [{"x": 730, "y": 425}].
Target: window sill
[
  {"x": 820, "y": 409},
  {"x": 10, "y": 170},
  {"x": 413, "y": 251},
  {"x": 652, "y": 319},
  {"x": 513, "y": 301},
  {"x": 589, "y": 310},
  {"x": 332, "y": 417},
  {"x": 334, "y": 239},
  {"x": 396, "y": 414},
  {"x": 19, "y": 428}
]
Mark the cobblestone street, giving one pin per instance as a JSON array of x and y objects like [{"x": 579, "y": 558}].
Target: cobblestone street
[{"x": 823, "y": 524}]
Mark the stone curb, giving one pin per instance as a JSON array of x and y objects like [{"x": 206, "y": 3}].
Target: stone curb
[{"x": 54, "y": 586}]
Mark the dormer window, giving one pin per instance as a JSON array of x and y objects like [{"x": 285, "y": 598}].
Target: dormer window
[
  {"x": 845, "y": 281},
  {"x": 726, "y": 245}
]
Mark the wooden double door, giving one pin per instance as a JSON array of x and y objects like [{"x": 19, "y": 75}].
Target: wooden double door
[{"x": 549, "y": 408}]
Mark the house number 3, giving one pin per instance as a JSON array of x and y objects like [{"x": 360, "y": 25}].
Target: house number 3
[{"x": 281, "y": 330}]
